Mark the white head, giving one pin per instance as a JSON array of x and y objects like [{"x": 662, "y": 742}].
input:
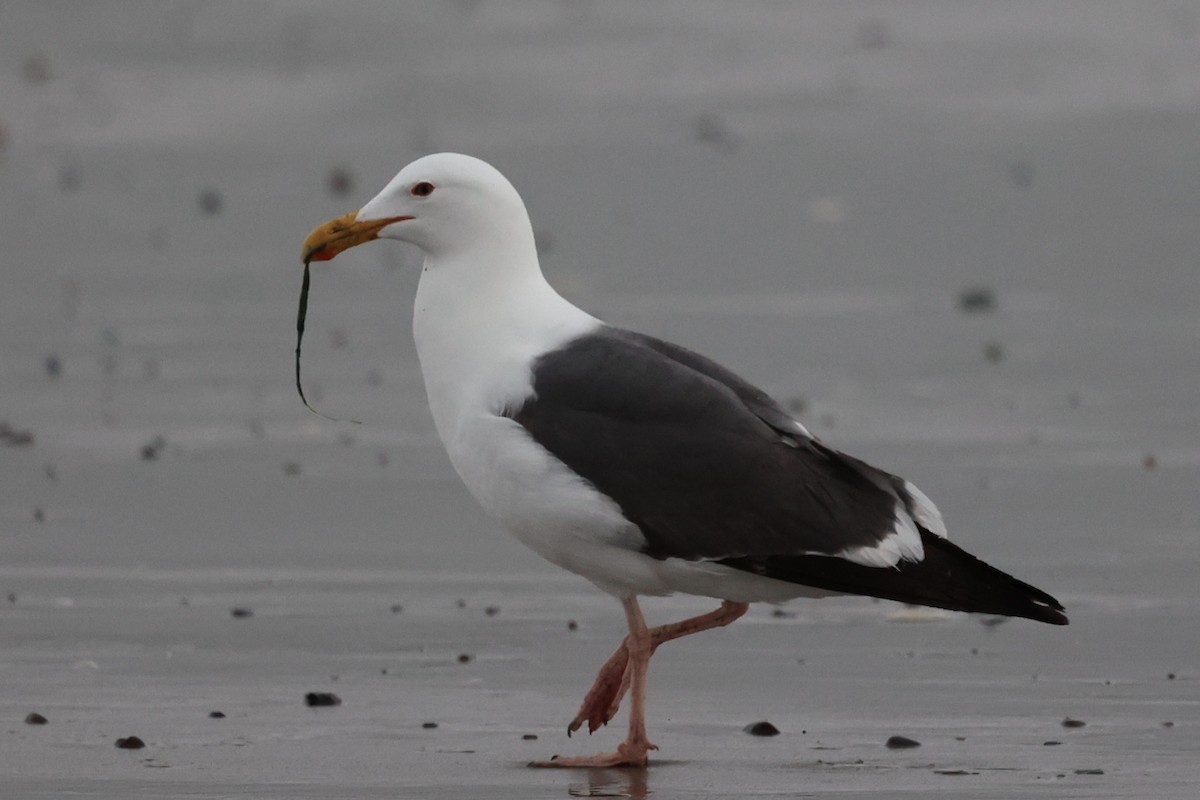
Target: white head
[{"x": 447, "y": 204}]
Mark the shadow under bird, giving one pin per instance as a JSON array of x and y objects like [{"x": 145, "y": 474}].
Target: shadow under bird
[{"x": 642, "y": 466}]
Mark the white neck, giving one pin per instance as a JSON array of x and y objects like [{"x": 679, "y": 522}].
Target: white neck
[{"x": 480, "y": 318}]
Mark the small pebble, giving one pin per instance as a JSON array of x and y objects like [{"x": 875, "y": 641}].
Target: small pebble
[
  {"x": 130, "y": 743},
  {"x": 901, "y": 742},
  {"x": 315, "y": 699},
  {"x": 1170, "y": 676},
  {"x": 465, "y": 658},
  {"x": 53, "y": 366},
  {"x": 39, "y": 515},
  {"x": 572, "y": 625},
  {"x": 779, "y": 613},
  {"x": 1168, "y": 724},
  {"x": 397, "y": 608},
  {"x": 291, "y": 468},
  {"x": 762, "y": 728},
  {"x": 1089, "y": 772},
  {"x": 460, "y": 603},
  {"x": 429, "y": 725},
  {"x": 1051, "y": 743},
  {"x": 216, "y": 715},
  {"x": 492, "y": 611},
  {"x": 34, "y": 718},
  {"x": 1073, "y": 723},
  {"x": 529, "y": 737},
  {"x": 1149, "y": 462},
  {"x": 241, "y": 613}
]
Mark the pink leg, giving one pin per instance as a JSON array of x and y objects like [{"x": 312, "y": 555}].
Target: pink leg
[
  {"x": 612, "y": 682},
  {"x": 621, "y": 671}
]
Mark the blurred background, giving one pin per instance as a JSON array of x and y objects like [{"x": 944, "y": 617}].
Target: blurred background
[{"x": 958, "y": 239}]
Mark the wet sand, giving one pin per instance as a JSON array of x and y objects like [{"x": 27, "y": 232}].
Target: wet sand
[{"x": 802, "y": 196}]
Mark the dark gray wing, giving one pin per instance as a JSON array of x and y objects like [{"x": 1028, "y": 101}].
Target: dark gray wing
[{"x": 704, "y": 463}]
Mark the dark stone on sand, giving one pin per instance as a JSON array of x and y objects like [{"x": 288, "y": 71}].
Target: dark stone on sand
[
  {"x": 429, "y": 725},
  {"x": 291, "y": 468},
  {"x": 1073, "y": 723},
  {"x": 492, "y": 611},
  {"x": 130, "y": 743},
  {"x": 901, "y": 743},
  {"x": 993, "y": 352},
  {"x": 572, "y": 625},
  {"x": 1170, "y": 676},
  {"x": 1168, "y": 724},
  {"x": 465, "y": 658},
  {"x": 1089, "y": 772},
  {"x": 529, "y": 737},
  {"x": 241, "y": 613},
  {"x": 39, "y": 515},
  {"x": 53, "y": 366},
  {"x": 34, "y": 718},
  {"x": 954, "y": 772},
  {"x": 216, "y": 715},
  {"x": 460, "y": 603},
  {"x": 397, "y": 608},
  {"x": 762, "y": 728},
  {"x": 316, "y": 699},
  {"x": 1051, "y": 743},
  {"x": 779, "y": 613}
]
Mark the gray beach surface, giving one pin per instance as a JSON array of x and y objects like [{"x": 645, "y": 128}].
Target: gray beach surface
[{"x": 960, "y": 240}]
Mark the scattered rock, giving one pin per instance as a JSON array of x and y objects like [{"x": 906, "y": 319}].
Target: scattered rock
[
  {"x": 762, "y": 728},
  {"x": 130, "y": 743},
  {"x": 976, "y": 300},
  {"x": 1170, "y": 676},
  {"x": 465, "y": 658},
  {"x": 529, "y": 737},
  {"x": 492, "y": 611},
  {"x": 209, "y": 201},
  {"x": 901, "y": 743},
  {"x": 291, "y": 468},
  {"x": 779, "y": 613},
  {"x": 993, "y": 352},
  {"x": 954, "y": 772},
  {"x": 216, "y": 715},
  {"x": 12, "y": 597},
  {"x": 53, "y": 365},
  {"x": 572, "y": 625},
  {"x": 396, "y": 608},
  {"x": 429, "y": 725},
  {"x": 240, "y": 612},
  {"x": 1089, "y": 772},
  {"x": 1168, "y": 724},
  {"x": 318, "y": 699},
  {"x": 460, "y": 603},
  {"x": 1073, "y": 723},
  {"x": 39, "y": 515},
  {"x": 34, "y": 718},
  {"x": 1051, "y": 743}
]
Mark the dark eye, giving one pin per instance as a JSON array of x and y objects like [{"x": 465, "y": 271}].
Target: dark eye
[{"x": 422, "y": 189}]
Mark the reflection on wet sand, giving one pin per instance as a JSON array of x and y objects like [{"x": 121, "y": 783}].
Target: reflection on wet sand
[{"x": 629, "y": 782}]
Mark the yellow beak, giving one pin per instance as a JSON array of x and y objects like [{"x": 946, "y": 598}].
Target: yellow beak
[{"x": 327, "y": 240}]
